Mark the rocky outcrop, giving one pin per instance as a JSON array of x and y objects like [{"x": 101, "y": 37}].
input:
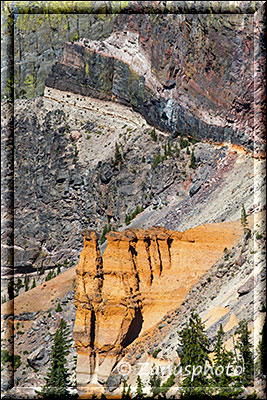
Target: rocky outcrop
[
  {"x": 144, "y": 64},
  {"x": 141, "y": 275},
  {"x": 203, "y": 70}
]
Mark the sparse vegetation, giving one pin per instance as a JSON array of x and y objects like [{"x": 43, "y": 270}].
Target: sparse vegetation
[
  {"x": 156, "y": 160},
  {"x": 57, "y": 379},
  {"x": 59, "y": 308},
  {"x": 118, "y": 156},
  {"x": 50, "y": 275},
  {"x": 193, "y": 160},
  {"x": 130, "y": 217},
  {"x": 26, "y": 282},
  {"x": 155, "y": 380},
  {"x": 258, "y": 236},
  {"x": 183, "y": 142},
  {"x": 15, "y": 359},
  {"x": 245, "y": 352},
  {"x": 33, "y": 283},
  {"x": 155, "y": 353},
  {"x": 153, "y": 134},
  {"x": 107, "y": 228}
]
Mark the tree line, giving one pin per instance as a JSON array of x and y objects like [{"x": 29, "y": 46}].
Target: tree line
[{"x": 206, "y": 373}]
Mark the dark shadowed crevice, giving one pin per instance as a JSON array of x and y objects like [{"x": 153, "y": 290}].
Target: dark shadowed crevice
[
  {"x": 160, "y": 260},
  {"x": 92, "y": 329},
  {"x": 169, "y": 243},
  {"x": 134, "y": 255},
  {"x": 147, "y": 246},
  {"x": 134, "y": 329}
]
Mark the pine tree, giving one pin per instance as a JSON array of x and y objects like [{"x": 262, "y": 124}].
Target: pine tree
[
  {"x": 187, "y": 149},
  {"x": 26, "y": 282},
  {"x": 244, "y": 220},
  {"x": 33, "y": 283},
  {"x": 139, "y": 394},
  {"x": 194, "y": 352},
  {"x": 59, "y": 308},
  {"x": 193, "y": 160},
  {"x": 169, "y": 150},
  {"x": 126, "y": 392},
  {"x": 262, "y": 349},
  {"x": 57, "y": 380},
  {"x": 226, "y": 384},
  {"x": 118, "y": 158},
  {"x": 244, "y": 347},
  {"x": 155, "y": 381}
]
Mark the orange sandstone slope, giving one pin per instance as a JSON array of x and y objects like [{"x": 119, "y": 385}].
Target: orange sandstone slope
[{"x": 142, "y": 275}]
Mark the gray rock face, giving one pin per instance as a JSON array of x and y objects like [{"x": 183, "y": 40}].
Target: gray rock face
[
  {"x": 113, "y": 382},
  {"x": 38, "y": 358},
  {"x": 247, "y": 287}
]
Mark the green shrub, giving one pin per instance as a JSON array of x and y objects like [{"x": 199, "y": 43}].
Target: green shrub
[
  {"x": 153, "y": 135},
  {"x": 6, "y": 357},
  {"x": 33, "y": 283},
  {"x": 50, "y": 275},
  {"x": 166, "y": 385},
  {"x": 156, "y": 160},
  {"x": 258, "y": 236},
  {"x": 59, "y": 308},
  {"x": 155, "y": 353},
  {"x": 17, "y": 362},
  {"x": 129, "y": 218},
  {"x": 193, "y": 160},
  {"x": 107, "y": 228}
]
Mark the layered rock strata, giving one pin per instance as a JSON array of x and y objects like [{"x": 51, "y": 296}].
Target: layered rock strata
[
  {"x": 141, "y": 275},
  {"x": 146, "y": 65}
]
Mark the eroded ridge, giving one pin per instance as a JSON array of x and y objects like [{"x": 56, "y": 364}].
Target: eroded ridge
[{"x": 140, "y": 277}]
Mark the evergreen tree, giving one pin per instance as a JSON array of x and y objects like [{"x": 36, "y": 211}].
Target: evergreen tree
[
  {"x": 194, "y": 353},
  {"x": 187, "y": 149},
  {"x": 57, "y": 380},
  {"x": 155, "y": 381},
  {"x": 26, "y": 282},
  {"x": 33, "y": 283},
  {"x": 262, "y": 350},
  {"x": 18, "y": 286},
  {"x": 227, "y": 385},
  {"x": 169, "y": 150},
  {"x": 126, "y": 392},
  {"x": 244, "y": 347},
  {"x": 118, "y": 158},
  {"x": 244, "y": 220},
  {"x": 59, "y": 308},
  {"x": 139, "y": 394},
  {"x": 177, "y": 151},
  {"x": 166, "y": 385},
  {"x": 193, "y": 160}
]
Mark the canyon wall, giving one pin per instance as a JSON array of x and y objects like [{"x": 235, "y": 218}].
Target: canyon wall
[
  {"x": 186, "y": 74},
  {"x": 141, "y": 276},
  {"x": 199, "y": 69}
]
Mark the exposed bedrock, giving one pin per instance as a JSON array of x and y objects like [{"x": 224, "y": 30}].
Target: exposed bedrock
[
  {"x": 189, "y": 74},
  {"x": 140, "y": 277}
]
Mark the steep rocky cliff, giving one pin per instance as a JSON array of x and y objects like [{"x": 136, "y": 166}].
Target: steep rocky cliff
[
  {"x": 106, "y": 95},
  {"x": 191, "y": 69},
  {"x": 141, "y": 276},
  {"x": 203, "y": 88}
]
